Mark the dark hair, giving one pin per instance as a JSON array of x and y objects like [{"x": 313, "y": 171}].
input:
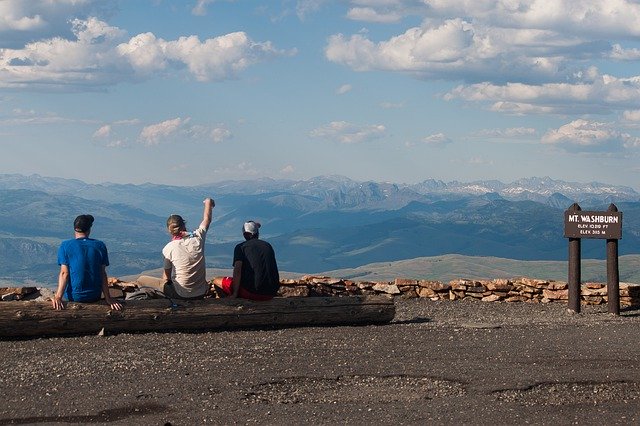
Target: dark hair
[
  {"x": 176, "y": 224},
  {"x": 83, "y": 223}
]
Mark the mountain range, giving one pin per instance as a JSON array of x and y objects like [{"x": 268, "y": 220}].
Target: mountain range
[{"x": 320, "y": 224}]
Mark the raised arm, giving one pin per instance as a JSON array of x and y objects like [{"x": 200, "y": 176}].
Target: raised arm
[{"x": 209, "y": 204}]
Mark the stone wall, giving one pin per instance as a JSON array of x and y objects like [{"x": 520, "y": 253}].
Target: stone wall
[{"x": 508, "y": 290}]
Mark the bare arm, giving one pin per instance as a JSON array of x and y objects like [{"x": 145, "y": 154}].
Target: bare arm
[
  {"x": 105, "y": 291},
  {"x": 63, "y": 279},
  {"x": 166, "y": 275},
  {"x": 237, "y": 274},
  {"x": 209, "y": 204}
]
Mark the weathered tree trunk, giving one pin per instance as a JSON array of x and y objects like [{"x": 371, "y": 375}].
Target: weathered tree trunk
[{"x": 36, "y": 319}]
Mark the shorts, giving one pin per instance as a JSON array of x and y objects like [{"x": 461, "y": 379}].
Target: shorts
[{"x": 227, "y": 283}]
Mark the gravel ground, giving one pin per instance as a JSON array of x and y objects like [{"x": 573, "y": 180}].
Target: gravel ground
[{"x": 462, "y": 362}]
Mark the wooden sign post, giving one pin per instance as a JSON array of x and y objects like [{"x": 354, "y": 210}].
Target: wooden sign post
[{"x": 607, "y": 225}]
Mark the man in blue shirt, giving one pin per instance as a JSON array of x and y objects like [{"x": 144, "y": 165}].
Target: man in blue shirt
[{"x": 83, "y": 262}]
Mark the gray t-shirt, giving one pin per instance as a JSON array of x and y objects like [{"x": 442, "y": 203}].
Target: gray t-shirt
[{"x": 186, "y": 257}]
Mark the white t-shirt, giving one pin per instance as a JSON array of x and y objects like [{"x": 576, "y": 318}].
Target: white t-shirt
[{"x": 186, "y": 257}]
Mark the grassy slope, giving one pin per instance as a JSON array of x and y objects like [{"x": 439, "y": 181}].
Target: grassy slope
[{"x": 453, "y": 266}]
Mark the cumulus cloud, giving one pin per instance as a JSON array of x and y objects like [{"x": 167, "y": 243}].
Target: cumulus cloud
[
  {"x": 101, "y": 55},
  {"x": 182, "y": 129},
  {"x": 457, "y": 49},
  {"x": 538, "y": 53},
  {"x": 599, "y": 94},
  {"x": 613, "y": 17},
  {"x": 288, "y": 169},
  {"x": 24, "y": 21},
  {"x": 590, "y": 137},
  {"x": 156, "y": 133},
  {"x": 344, "y": 132},
  {"x": 117, "y": 134}
]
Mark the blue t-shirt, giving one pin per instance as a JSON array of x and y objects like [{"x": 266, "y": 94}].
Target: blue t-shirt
[{"x": 85, "y": 258}]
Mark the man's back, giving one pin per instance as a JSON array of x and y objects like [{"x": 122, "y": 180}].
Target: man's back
[
  {"x": 85, "y": 258},
  {"x": 259, "y": 268}
]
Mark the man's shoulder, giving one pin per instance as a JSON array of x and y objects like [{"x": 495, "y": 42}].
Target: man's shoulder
[
  {"x": 97, "y": 243},
  {"x": 263, "y": 242},
  {"x": 258, "y": 243},
  {"x": 169, "y": 246},
  {"x": 65, "y": 245},
  {"x": 66, "y": 242}
]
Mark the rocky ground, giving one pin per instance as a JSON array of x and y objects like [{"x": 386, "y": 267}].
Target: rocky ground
[{"x": 444, "y": 362}]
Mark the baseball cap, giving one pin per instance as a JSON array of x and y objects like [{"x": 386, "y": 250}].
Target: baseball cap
[
  {"x": 251, "y": 227},
  {"x": 83, "y": 223}
]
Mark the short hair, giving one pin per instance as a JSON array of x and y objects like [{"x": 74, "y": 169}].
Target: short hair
[
  {"x": 83, "y": 223},
  {"x": 176, "y": 224}
]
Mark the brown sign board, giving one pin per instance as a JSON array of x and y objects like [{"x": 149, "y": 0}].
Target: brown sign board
[{"x": 585, "y": 224}]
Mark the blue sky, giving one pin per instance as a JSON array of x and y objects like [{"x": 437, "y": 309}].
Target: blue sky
[{"x": 190, "y": 92}]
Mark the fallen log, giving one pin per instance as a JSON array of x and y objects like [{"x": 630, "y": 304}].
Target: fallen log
[{"x": 38, "y": 319}]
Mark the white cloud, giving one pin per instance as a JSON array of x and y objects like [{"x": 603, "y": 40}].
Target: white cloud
[
  {"x": 526, "y": 49},
  {"x": 103, "y": 132},
  {"x": 117, "y": 143},
  {"x": 24, "y": 21},
  {"x": 590, "y": 136},
  {"x": 307, "y": 7},
  {"x": 613, "y": 17},
  {"x": 344, "y": 132},
  {"x": 599, "y": 94},
  {"x": 220, "y": 134},
  {"x": 156, "y": 133},
  {"x": 182, "y": 129},
  {"x": 622, "y": 54},
  {"x": 631, "y": 115},
  {"x": 214, "y": 59},
  {"x": 438, "y": 139},
  {"x": 127, "y": 122},
  {"x": 20, "y": 23},
  {"x": 20, "y": 117},
  {"x": 513, "y": 132},
  {"x": 200, "y": 9},
  {"x": 369, "y": 14},
  {"x": 345, "y": 88},
  {"x": 459, "y": 49},
  {"x": 288, "y": 169},
  {"x": 100, "y": 55}
]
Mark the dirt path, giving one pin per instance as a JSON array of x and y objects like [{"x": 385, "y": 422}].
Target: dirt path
[{"x": 438, "y": 362}]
